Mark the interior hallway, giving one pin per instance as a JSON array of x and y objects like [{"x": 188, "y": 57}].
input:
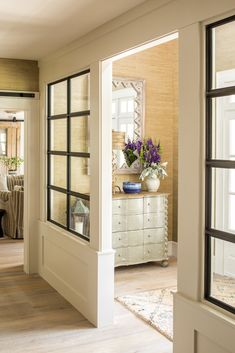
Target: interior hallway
[{"x": 35, "y": 318}]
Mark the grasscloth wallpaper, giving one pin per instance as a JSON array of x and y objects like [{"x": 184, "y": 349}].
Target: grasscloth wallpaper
[{"x": 158, "y": 66}]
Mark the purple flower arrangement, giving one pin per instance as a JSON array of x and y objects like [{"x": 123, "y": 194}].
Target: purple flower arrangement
[{"x": 149, "y": 156}]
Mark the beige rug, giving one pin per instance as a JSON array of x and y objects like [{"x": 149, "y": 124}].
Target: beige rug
[
  {"x": 155, "y": 307},
  {"x": 223, "y": 289}
]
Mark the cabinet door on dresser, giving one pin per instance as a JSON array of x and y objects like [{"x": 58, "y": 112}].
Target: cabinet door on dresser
[
  {"x": 134, "y": 206},
  {"x": 155, "y": 204},
  {"x": 155, "y": 220},
  {"x": 154, "y": 236},
  {"x": 119, "y": 207}
]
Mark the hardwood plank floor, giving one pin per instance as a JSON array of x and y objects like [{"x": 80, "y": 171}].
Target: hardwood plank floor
[{"x": 35, "y": 318}]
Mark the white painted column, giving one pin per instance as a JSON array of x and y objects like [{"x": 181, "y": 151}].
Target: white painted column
[{"x": 101, "y": 188}]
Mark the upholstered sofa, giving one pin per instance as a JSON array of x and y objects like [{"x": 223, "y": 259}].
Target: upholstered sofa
[{"x": 12, "y": 201}]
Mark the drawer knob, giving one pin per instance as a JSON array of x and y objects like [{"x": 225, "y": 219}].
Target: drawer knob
[
  {"x": 148, "y": 251},
  {"x": 119, "y": 206},
  {"x": 149, "y": 235},
  {"x": 148, "y": 220},
  {"x": 119, "y": 222},
  {"x": 148, "y": 204},
  {"x": 119, "y": 238}
]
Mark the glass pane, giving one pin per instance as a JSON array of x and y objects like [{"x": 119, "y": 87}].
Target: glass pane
[
  {"x": 223, "y": 205},
  {"x": 58, "y": 207},
  {"x": 224, "y": 58},
  {"x": 231, "y": 213},
  {"x": 80, "y": 93},
  {"x": 123, "y": 106},
  {"x": 58, "y": 134},
  {"x": 58, "y": 171},
  {"x": 3, "y": 149},
  {"x": 80, "y": 134},
  {"x": 232, "y": 137},
  {"x": 80, "y": 216},
  {"x": 80, "y": 175},
  {"x": 113, "y": 107},
  {"x": 3, "y": 135},
  {"x": 59, "y": 98},
  {"x": 223, "y": 128},
  {"x": 223, "y": 271},
  {"x": 232, "y": 180}
]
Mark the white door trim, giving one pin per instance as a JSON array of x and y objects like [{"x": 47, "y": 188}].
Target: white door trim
[{"x": 31, "y": 175}]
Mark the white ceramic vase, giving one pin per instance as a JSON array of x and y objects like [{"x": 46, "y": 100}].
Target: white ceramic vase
[{"x": 152, "y": 184}]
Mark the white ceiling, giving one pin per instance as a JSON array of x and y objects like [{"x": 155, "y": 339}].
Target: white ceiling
[{"x": 31, "y": 29}]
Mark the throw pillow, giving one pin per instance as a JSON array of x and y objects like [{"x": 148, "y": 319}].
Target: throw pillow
[{"x": 3, "y": 183}]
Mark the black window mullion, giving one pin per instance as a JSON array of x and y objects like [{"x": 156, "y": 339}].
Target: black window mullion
[
  {"x": 48, "y": 148},
  {"x": 211, "y": 233},
  {"x": 208, "y": 200},
  {"x": 68, "y": 150},
  {"x": 68, "y": 153},
  {"x": 207, "y": 278}
]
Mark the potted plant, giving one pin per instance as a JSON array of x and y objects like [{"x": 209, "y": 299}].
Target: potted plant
[
  {"x": 149, "y": 156},
  {"x": 11, "y": 163}
]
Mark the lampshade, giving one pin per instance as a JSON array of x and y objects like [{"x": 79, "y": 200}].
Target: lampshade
[{"x": 118, "y": 140}]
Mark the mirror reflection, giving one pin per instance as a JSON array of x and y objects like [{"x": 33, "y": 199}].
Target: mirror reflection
[{"x": 127, "y": 115}]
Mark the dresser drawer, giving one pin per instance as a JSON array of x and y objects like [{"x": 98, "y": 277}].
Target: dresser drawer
[
  {"x": 155, "y": 204},
  {"x": 135, "y": 254},
  {"x": 134, "y": 222},
  {"x": 119, "y": 207},
  {"x": 154, "y": 251},
  {"x": 119, "y": 223},
  {"x": 134, "y": 206},
  {"x": 121, "y": 256},
  {"x": 152, "y": 236},
  {"x": 153, "y": 220},
  {"x": 120, "y": 240},
  {"x": 135, "y": 238}
]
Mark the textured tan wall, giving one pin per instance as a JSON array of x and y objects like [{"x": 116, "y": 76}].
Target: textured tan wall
[
  {"x": 225, "y": 47},
  {"x": 158, "y": 66},
  {"x": 19, "y": 75}
]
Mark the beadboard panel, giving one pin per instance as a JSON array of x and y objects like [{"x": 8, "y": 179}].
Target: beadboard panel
[
  {"x": 158, "y": 66},
  {"x": 19, "y": 75}
]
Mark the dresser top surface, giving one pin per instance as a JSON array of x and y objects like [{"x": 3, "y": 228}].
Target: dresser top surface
[{"x": 122, "y": 195}]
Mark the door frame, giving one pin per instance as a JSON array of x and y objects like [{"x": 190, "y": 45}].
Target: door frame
[{"x": 30, "y": 106}]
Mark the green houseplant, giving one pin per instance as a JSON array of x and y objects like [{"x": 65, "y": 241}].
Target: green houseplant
[{"x": 11, "y": 163}]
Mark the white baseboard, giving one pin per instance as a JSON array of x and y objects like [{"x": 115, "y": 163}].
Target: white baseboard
[{"x": 172, "y": 249}]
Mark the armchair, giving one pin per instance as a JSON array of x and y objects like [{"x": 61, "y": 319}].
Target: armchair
[{"x": 13, "y": 202}]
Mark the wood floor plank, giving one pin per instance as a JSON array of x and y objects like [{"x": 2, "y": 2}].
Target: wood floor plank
[{"x": 35, "y": 318}]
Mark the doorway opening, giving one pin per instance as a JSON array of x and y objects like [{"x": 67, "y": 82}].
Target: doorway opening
[
  {"x": 144, "y": 221},
  {"x": 12, "y": 182}
]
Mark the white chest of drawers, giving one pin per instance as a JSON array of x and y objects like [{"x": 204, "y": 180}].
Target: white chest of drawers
[{"x": 140, "y": 228}]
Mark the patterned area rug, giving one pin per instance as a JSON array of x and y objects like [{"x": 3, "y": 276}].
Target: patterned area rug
[
  {"x": 223, "y": 289},
  {"x": 155, "y": 307}
]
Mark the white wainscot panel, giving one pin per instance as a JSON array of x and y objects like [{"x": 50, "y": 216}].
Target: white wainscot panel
[{"x": 64, "y": 265}]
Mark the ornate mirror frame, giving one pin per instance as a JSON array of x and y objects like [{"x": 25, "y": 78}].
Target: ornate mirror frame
[{"x": 139, "y": 113}]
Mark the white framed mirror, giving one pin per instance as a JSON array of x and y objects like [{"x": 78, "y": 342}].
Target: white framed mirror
[{"x": 128, "y": 108}]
